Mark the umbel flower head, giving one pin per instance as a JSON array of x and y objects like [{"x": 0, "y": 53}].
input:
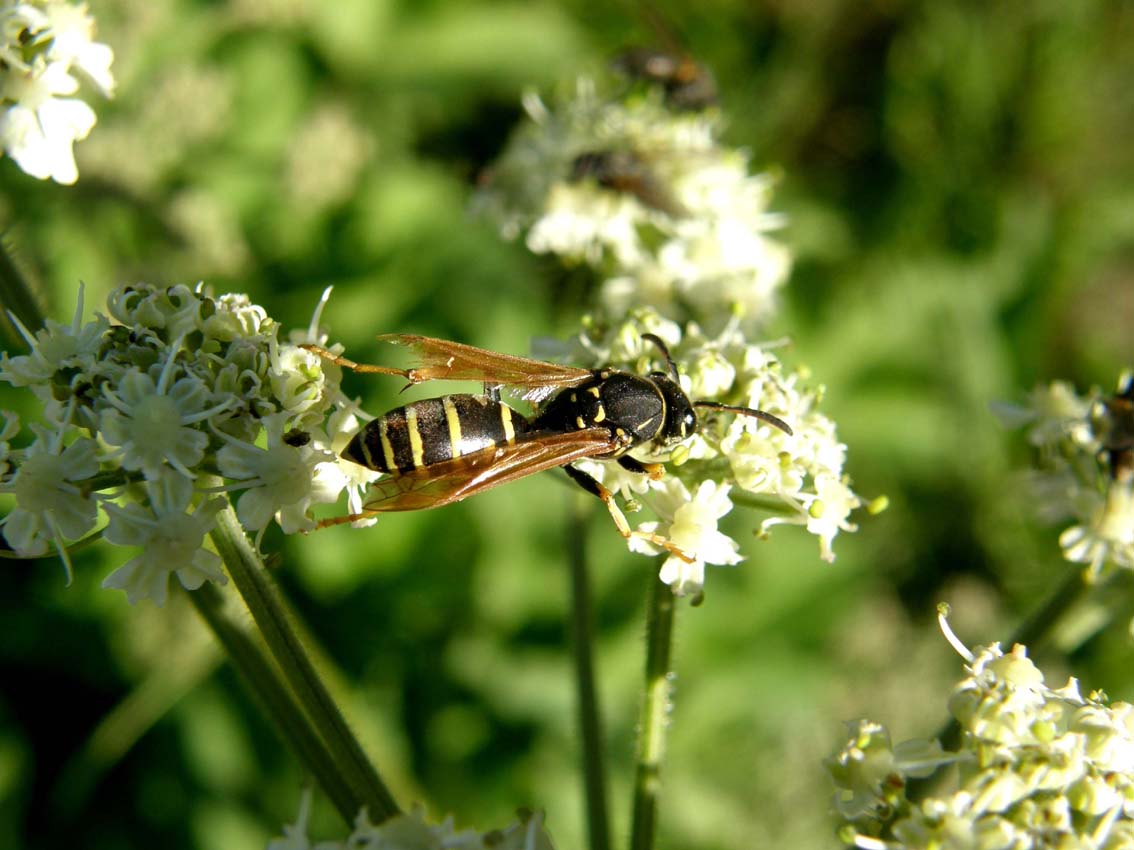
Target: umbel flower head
[
  {"x": 46, "y": 47},
  {"x": 733, "y": 459},
  {"x": 148, "y": 410},
  {"x": 412, "y": 831},
  {"x": 1085, "y": 469},
  {"x": 1036, "y": 767},
  {"x": 624, "y": 181}
]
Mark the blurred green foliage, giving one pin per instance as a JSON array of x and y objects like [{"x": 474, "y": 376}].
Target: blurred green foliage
[{"x": 959, "y": 182}]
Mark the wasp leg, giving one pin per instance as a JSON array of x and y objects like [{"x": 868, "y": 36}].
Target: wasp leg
[
  {"x": 492, "y": 391},
  {"x": 343, "y": 520},
  {"x": 656, "y": 471},
  {"x": 594, "y": 487},
  {"x": 356, "y": 367}
]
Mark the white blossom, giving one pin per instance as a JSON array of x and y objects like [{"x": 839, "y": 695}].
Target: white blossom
[
  {"x": 159, "y": 408},
  {"x": 1036, "y": 766},
  {"x": 171, "y": 537},
  {"x": 43, "y": 45},
  {"x": 412, "y": 831}
]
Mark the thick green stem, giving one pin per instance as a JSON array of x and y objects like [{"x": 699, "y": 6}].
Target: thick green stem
[
  {"x": 590, "y": 724},
  {"x": 655, "y": 715},
  {"x": 260, "y": 674},
  {"x": 271, "y": 617}
]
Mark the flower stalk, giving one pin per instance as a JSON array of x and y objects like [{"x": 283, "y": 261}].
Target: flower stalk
[
  {"x": 260, "y": 674},
  {"x": 275, "y": 624},
  {"x": 583, "y": 645},
  {"x": 654, "y": 718}
]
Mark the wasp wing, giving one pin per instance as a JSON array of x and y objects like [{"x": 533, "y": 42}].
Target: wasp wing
[
  {"x": 442, "y": 359},
  {"x": 453, "y": 480}
]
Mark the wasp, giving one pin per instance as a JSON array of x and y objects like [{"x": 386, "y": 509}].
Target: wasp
[{"x": 441, "y": 450}]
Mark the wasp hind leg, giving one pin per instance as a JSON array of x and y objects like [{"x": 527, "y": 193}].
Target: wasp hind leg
[
  {"x": 596, "y": 488},
  {"x": 343, "y": 520},
  {"x": 339, "y": 360}
]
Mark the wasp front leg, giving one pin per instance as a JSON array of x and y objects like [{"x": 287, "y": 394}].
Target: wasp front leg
[
  {"x": 595, "y": 487},
  {"x": 656, "y": 471}
]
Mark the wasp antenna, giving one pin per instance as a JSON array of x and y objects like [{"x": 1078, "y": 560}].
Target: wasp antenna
[
  {"x": 661, "y": 346},
  {"x": 747, "y": 411}
]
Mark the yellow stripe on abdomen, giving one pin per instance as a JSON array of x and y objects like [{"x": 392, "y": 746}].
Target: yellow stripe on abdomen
[
  {"x": 387, "y": 446},
  {"x": 454, "y": 421},
  {"x": 417, "y": 451},
  {"x": 506, "y": 424}
]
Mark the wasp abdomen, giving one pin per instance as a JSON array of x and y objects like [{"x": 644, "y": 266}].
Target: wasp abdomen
[{"x": 433, "y": 430}]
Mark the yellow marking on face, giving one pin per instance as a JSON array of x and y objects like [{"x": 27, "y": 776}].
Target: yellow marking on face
[
  {"x": 387, "y": 446},
  {"x": 506, "y": 421},
  {"x": 454, "y": 421},
  {"x": 595, "y": 391},
  {"x": 580, "y": 422},
  {"x": 417, "y": 453},
  {"x": 600, "y": 414}
]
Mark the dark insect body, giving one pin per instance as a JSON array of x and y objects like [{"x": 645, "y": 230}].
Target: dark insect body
[
  {"x": 441, "y": 450},
  {"x": 626, "y": 172},
  {"x": 687, "y": 84}
]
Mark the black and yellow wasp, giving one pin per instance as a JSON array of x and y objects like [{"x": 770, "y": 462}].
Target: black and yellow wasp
[{"x": 441, "y": 450}]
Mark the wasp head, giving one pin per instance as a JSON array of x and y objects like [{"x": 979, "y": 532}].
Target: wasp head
[{"x": 680, "y": 417}]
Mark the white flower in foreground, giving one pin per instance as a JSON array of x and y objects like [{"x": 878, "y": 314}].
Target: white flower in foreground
[
  {"x": 171, "y": 537},
  {"x": 1036, "y": 767},
  {"x": 411, "y": 831},
  {"x": 43, "y": 43},
  {"x": 50, "y": 504},
  {"x": 158, "y": 407},
  {"x": 150, "y": 423},
  {"x": 56, "y": 346},
  {"x": 281, "y": 479},
  {"x": 733, "y": 458},
  {"x": 692, "y": 526}
]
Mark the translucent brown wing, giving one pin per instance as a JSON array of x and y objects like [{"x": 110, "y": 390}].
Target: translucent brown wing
[
  {"x": 442, "y": 359},
  {"x": 452, "y": 480}
]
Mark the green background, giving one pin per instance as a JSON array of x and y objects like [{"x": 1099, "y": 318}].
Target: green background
[{"x": 958, "y": 180}]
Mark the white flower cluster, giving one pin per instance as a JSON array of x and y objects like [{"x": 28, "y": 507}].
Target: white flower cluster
[
  {"x": 647, "y": 195},
  {"x": 45, "y": 46},
  {"x": 412, "y": 832},
  {"x": 1036, "y": 767},
  {"x": 144, "y": 413},
  {"x": 732, "y": 458},
  {"x": 1085, "y": 469}
]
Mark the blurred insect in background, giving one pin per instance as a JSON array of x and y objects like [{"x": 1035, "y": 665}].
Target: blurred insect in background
[
  {"x": 688, "y": 85},
  {"x": 625, "y": 171}
]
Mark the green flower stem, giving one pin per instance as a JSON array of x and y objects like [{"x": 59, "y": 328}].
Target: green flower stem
[
  {"x": 16, "y": 293},
  {"x": 259, "y": 673},
  {"x": 655, "y": 715},
  {"x": 271, "y": 617},
  {"x": 590, "y": 724}
]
